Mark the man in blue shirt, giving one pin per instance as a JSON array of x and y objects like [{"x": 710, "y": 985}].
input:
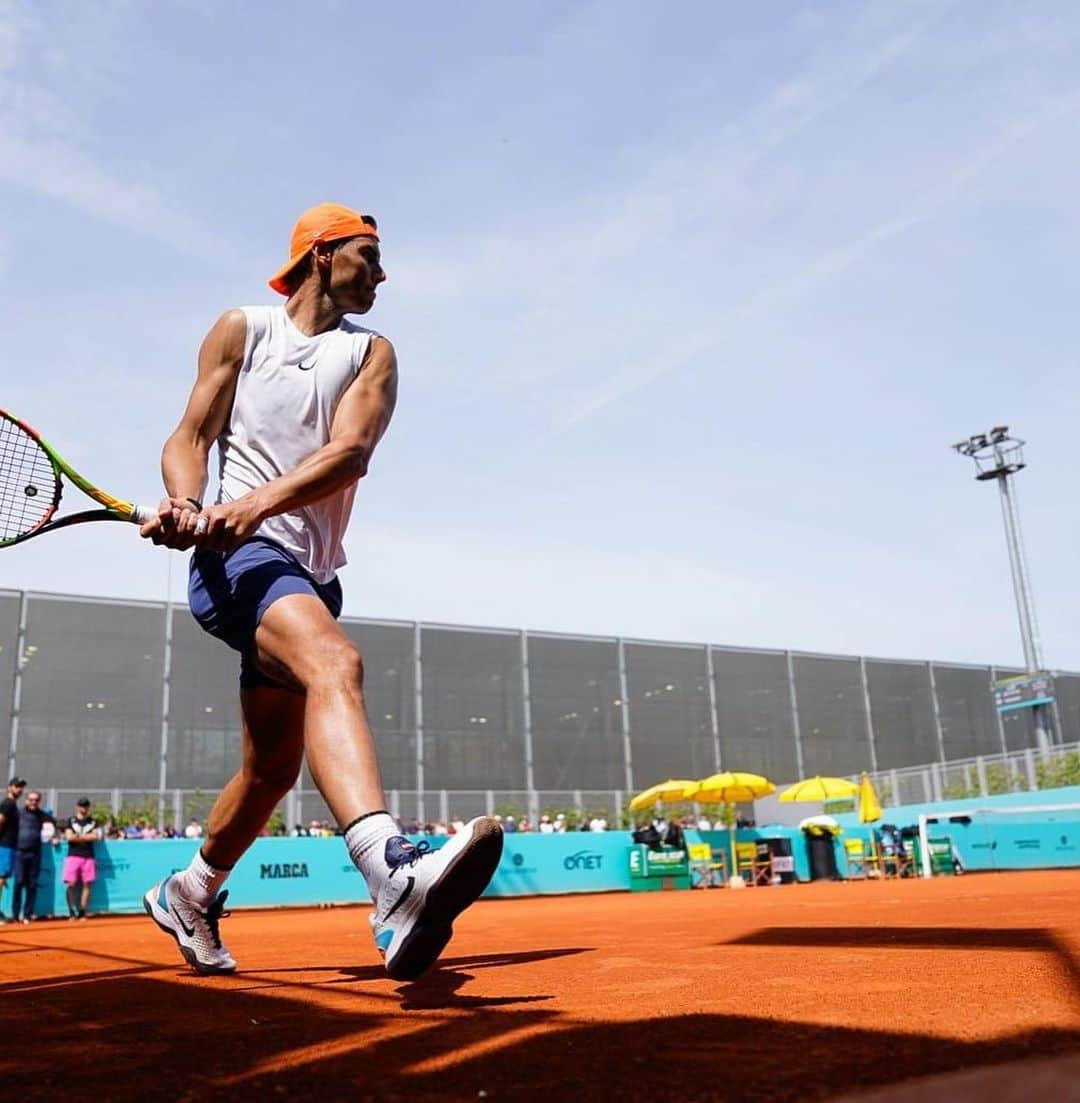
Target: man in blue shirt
[
  {"x": 28, "y": 857},
  {"x": 9, "y": 833}
]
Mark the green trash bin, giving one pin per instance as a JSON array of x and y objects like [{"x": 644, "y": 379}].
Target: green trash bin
[{"x": 656, "y": 870}]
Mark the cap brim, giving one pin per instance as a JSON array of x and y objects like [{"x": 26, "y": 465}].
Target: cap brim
[{"x": 279, "y": 281}]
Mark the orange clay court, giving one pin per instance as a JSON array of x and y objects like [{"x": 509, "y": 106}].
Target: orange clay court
[{"x": 804, "y": 992}]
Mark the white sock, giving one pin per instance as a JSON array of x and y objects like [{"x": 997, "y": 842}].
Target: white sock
[
  {"x": 366, "y": 840},
  {"x": 200, "y": 882}
]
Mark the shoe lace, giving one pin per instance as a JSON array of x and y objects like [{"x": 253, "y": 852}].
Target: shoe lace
[
  {"x": 214, "y": 914},
  {"x": 413, "y": 855}
]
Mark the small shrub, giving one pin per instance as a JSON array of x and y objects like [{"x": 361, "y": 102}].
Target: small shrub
[
  {"x": 1057, "y": 773},
  {"x": 1000, "y": 779}
]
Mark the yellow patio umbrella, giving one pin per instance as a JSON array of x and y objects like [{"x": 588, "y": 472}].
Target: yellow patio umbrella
[
  {"x": 819, "y": 789},
  {"x": 731, "y": 787},
  {"x": 869, "y": 805},
  {"x": 670, "y": 790},
  {"x": 870, "y": 812}
]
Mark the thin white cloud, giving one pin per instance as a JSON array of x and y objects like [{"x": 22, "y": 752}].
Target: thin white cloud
[
  {"x": 599, "y": 236},
  {"x": 956, "y": 180},
  {"x": 46, "y": 149}
]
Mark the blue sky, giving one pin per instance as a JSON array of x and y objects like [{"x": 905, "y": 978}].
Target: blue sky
[{"x": 689, "y": 303}]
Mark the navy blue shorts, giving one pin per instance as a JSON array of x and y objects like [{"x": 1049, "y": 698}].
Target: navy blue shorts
[{"x": 230, "y": 593}]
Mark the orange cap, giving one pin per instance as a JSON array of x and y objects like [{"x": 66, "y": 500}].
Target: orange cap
[{"x": 326, "y": 222}]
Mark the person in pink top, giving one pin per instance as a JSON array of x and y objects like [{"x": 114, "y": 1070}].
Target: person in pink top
[{"x": 80, "y": 870}]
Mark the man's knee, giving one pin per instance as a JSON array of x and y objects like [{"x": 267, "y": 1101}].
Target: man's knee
[
  {"x": 276, "y": 773},
  {"x": 335, "y": 663}
]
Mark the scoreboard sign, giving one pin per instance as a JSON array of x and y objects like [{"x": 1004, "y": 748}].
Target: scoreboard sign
[{"x": 1025, "y": 691}]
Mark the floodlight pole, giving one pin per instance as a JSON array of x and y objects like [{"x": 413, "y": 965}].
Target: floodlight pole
[
  {"x": 1021, "y": 582},
  {"x": 998, "y": 456}
]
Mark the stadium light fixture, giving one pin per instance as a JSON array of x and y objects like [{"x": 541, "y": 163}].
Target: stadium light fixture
[{"x": 998, "y": 457}]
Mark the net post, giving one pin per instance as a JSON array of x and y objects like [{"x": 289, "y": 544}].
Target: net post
[{"x": 924, "y": 847}]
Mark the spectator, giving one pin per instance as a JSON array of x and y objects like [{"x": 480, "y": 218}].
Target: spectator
[
  {"x": 546, "y": 826},
  {"x": 32, "y": 822},
  {"x": 703, "y": 823},
  {"x": 509, "y": 825},
  {"x": 149, "y": 831},
  {"x": 583, "y": 822},
  {"x": 193, "y": 829},
  {"x": 9, "y": 833},
  {"x": 648, "y": 835},
  {"x": 598, "y": 823},
  {"x": 560, "y": 823},
  {"x": 456, "y": 824},
  {"x": 80, "y": 869},
  {"x": 134, "y": 830},
  {"x": 673, "y": 836},
  {"x": 440, "y": 828},
  {"x": 48, "y": 828}
]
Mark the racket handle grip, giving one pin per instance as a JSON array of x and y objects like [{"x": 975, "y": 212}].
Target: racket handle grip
[{"x": 143, "y": 515}]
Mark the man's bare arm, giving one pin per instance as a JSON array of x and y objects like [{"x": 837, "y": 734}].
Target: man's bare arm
[
  {"x": 361, "y": 419},
  {"x": 187, "y": 451}
]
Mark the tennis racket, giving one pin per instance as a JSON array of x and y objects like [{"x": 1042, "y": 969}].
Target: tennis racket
[{"x": 30, "y": 488}]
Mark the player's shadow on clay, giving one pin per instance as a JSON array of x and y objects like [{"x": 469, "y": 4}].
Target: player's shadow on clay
[
  {"x": 439, "y": 988},
  {"x": 1034, "y": 939}
]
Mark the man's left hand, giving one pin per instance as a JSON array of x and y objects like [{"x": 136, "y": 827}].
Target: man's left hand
[{"x": 228, "y": 525}]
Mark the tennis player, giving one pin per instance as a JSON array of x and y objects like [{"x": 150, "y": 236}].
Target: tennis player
[{"x": 296, "y": 397}]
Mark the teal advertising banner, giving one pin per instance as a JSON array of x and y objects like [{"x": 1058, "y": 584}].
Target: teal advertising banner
[
  {"x": 273, "y": 873},
  {"x": 292, "y": 872},
  {"x": 297, "y": 872},
  {"x": 580, "y": 861}
]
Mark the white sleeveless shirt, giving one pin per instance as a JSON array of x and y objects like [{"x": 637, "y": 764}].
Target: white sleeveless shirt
[{"x": 287, "y": 392}]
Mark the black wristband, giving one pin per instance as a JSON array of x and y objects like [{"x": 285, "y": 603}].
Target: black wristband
[{"x": 196, "y": 503}]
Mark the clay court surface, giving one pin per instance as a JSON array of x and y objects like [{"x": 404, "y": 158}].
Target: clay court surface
[{"x": 800, "y": 992}]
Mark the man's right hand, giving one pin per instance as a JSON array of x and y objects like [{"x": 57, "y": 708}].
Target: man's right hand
[{"x": 174, "y": 526}]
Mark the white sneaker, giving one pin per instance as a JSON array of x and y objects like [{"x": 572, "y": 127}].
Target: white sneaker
[
  {"x": 196, "y": 931},
  {"x": 427, "y": 890}
]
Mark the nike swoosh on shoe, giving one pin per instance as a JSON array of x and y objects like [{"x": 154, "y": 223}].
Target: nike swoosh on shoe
[
  {"x": 406, "y": 892},
  {"x": 189, "y": 931}
]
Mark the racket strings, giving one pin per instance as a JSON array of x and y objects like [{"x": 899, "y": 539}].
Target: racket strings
[{"x": 29, "y": 487}]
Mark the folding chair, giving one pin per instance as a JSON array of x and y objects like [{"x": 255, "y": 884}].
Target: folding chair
[
  {"x": 861, "y": 861},
  {"x": 709, "y": 870},
  {"x": 754, "y": 865}
]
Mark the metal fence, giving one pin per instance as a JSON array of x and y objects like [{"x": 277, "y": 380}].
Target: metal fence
[
  {"x": 301, "y": 807},
  {"x": 131, "y": 697},
  {"x": 982, "y": 776}
]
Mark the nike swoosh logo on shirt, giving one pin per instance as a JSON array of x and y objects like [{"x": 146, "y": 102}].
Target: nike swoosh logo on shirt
[
  {"x": 406, "y": 892},
  {"x": 306, "y": 367},
  {"x": 189, "y": 931}
]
